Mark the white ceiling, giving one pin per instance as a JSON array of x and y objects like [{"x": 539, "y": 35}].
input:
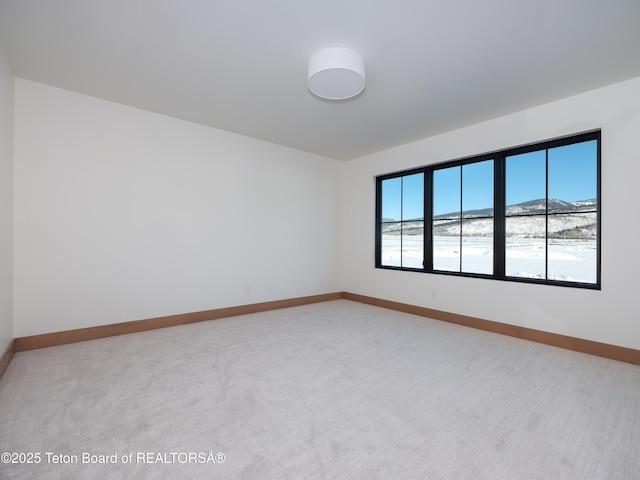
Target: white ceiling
[{"x": 241, "y": 65}]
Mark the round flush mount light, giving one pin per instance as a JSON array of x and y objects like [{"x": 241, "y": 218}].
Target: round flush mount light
[{"x": 336, "y": 74}]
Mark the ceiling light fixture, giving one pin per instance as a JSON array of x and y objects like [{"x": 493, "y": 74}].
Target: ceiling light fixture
[{"x": 336, "y": 74}]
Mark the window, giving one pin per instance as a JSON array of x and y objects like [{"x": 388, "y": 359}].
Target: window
[
  {"x": 402, "y": 221},
  {"x": 551, "y": 213},
  {"x": 530, "y": 214},
  {"x": 462, "y": 224}
]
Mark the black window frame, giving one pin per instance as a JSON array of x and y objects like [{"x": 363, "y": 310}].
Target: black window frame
[{"x": 499, "y": 212}]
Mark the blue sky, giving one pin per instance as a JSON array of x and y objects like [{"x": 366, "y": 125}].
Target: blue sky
[{"x": 572, "y": 176}]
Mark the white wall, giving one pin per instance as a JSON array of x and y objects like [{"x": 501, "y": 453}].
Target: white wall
[
  {"x": 6, "y": 202},
  {"x": 123, "y": 214},
  {"x": 610, "y": 315}
]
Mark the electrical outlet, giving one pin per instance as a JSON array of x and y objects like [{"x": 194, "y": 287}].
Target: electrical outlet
[
  {"x": 247, "y": 289},
  {"x": 434, "y": 293}
]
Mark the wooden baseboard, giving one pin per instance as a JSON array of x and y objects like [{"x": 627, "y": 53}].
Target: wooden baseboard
[
  {"x": 6, "y": 357},
  {"x": 605, "y": 350},
  {"x": 102, "y": 331},
  {"x": 613, "y": 352}
]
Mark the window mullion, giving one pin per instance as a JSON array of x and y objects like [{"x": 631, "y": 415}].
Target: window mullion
[
  {"x": 378, "y": 232},
  {"x": 401, "y": 221},
  {"x": 460, "y": 225},
  {"x": 427, "y": 259},
  {"x": 499, "y": 217},
  {"x": 546, "y": 216}
]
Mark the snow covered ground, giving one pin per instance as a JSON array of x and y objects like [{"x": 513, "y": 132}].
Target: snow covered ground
[{"x": 569, "y": 260}]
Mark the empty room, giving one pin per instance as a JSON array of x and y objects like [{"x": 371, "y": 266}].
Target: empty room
[{"x": 349, "y": 240}]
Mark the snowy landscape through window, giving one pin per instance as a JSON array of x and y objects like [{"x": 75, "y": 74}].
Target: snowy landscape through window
[{"x": 526, "y": 214}]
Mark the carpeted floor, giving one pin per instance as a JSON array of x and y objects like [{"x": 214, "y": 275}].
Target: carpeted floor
[{"x": 335, "y": 390}]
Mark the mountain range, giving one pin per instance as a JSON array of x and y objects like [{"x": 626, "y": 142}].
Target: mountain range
[{"x": 575, "y": 220}]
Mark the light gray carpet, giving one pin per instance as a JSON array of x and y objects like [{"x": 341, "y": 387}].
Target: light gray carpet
[{"x": 337, "y": 390}]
